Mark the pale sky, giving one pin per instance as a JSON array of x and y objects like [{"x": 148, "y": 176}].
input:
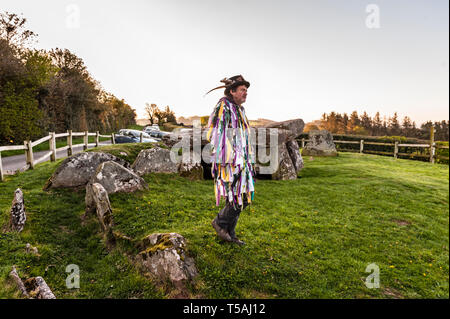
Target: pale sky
[{"x": 302, "y": 58}]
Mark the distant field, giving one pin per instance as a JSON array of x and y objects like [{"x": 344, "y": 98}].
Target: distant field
[{"x": 307, "y": 238}]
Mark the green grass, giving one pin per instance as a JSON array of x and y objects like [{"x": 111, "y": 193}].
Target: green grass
[
  {"x": 307, "y": 238},
  {"x": 136, "y": 127}
]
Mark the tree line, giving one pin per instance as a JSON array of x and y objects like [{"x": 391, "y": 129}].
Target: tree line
[
  {"x": 377, "y": 126},
  {"x": 49, "y": 91}
]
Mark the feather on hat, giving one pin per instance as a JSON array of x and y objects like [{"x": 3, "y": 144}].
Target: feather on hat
[{"x": 230, "y": 83}]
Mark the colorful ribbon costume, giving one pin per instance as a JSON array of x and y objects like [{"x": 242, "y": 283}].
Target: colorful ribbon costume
[{"x": 232, "y": 170}]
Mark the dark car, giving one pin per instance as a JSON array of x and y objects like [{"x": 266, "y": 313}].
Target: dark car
[{"x": 133, "y": 136}]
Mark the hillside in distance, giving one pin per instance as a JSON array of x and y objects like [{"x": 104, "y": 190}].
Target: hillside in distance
[{"x": 189, "y": 120}]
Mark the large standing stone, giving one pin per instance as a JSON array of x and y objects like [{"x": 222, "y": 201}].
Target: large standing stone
[
  {"x": 164, "y": 256},
  {"x": 288, "y": 157},
  {"x": 154, "y": 160},
  {"x": 320, "y": 144},
  {"x": 294, "y": 127},
  {"x": 286, "y": 169},
  {"x": 294, "y": 154},
  {"x": 76, "y": 171},
  {"x": 116, "y": 178},
  {"x": 17, "y": 213},
  {"x": 289, "y": 160},
  {"x": 97, "y": 201}
]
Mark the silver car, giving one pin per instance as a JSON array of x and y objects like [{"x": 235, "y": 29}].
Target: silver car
[{"x": 133, "y": 136}]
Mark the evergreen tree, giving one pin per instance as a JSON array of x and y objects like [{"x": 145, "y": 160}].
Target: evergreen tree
[
  {"x": 344, "y": 124},
  {"x": 406, "y": 126},
  {"x": 394, "y": 126},
  {"x": 354, "y": 121},
  {"x": 377, "y": 125},
  {"x": 366, "y": 122}
]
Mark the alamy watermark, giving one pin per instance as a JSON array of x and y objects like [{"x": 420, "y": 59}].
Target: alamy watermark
[
  {"x": 73, "y": 279},
  {"x": 262, "y": 144},
  {"x": 373, "y": 280},
  {"x": 73, "y": 16},
  {"x": 373, "y": 17}
]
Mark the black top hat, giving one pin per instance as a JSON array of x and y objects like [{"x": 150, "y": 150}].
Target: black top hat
[{"x": 231, "y": 83}]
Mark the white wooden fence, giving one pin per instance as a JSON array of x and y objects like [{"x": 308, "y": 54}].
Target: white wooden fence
[
  {"x": 395, "y": 145},
  {"x": 51, "y": 154}
]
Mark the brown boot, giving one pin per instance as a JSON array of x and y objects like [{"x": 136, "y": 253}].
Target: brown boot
[
  {"x": 237, "y": 241},
  {"x": 222, "y": 233}
]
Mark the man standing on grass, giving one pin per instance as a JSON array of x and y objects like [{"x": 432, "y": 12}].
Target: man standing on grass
[{"x": 232, "y": 170}]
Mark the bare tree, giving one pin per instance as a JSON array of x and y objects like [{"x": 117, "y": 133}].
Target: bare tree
[
  {"x": 153, "y": 112},
  {"x": 12, "y": 29}
]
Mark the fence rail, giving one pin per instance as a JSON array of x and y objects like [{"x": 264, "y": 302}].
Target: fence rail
[
  {"x": 395, "y": 153},
  {"x": 51, "y": 154},
  {"x": 30, "y": 162}
]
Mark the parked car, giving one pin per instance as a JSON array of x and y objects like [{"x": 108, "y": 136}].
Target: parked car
[
  {"x": 155, "y": 131},
  {"x": 182, "y": 131},
  {"x": 153, "y": 127},
  {"x": 158, "y": 134},
  {"x": 133, "y": 136}
]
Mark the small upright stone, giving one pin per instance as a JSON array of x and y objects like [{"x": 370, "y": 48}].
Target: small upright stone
[
  {"x": 31, "y": 250},
  {"x": 97, "y": 201},
  {"x": 38, "y": 288},
  {"x": 18, "y": 215}
]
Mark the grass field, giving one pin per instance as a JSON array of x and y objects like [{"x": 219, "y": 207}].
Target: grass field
[{"x": 307, "y": 238}]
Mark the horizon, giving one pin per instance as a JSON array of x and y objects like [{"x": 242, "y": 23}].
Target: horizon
[
  {"x": 302, "y": 58},
  {"x": 384, "y": 117}
]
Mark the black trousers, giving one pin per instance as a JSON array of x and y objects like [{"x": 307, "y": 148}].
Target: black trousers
[{"x": 228, "y": 216}]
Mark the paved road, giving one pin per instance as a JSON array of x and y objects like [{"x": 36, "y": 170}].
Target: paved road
[{"x": 13, "y": 163}]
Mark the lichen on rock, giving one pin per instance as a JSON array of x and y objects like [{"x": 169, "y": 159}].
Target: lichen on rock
[
  {"x": 17, "y": 212},
  {"x": 164, "y": 257},
  {"x": 76, "y": 170},
  {"x": 116, "y": 178}
]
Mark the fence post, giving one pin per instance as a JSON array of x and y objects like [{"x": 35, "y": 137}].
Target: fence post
[
  {"x": 432, "y": 145},
  {"x": 86, "y": 140},
  {"x": 29, "y": 153},
  {"x": 96, "y": 138},
  {"x": 303, "y": 142},
  {"x": 69, "y": 142},
  {"x": 1, "y": 168},
  {"x": 53, "y": 147},
  {"x": 395, "y": 149},
  {"x": 112, "y": 139},
  {"x": 140, "y": 137},
  {"x": 361, "y": 146}
]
